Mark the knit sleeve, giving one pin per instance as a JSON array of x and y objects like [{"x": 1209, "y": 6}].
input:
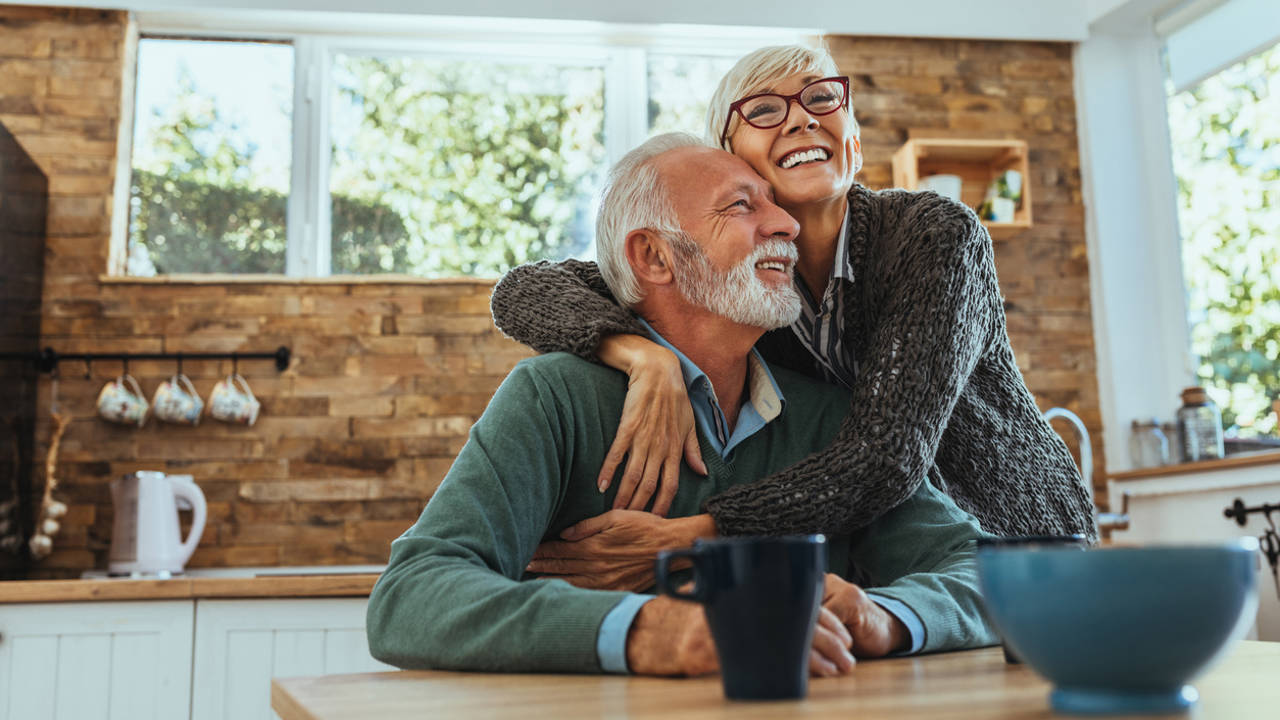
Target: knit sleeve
[
  {"x": 559, "y": 307},
  {"x": 937, "y": 301}
]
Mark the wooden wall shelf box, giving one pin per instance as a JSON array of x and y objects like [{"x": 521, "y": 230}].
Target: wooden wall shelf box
[{"x": 977, "y": 162}]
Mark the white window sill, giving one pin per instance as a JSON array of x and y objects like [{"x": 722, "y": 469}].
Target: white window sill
[{"x": 263, "y": 279}]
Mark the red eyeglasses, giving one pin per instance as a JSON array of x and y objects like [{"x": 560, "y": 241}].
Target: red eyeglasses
[{"x": 767, "y": 110}]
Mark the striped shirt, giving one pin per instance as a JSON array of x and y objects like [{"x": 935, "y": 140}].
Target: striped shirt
[{"x": 820, "y": 326}]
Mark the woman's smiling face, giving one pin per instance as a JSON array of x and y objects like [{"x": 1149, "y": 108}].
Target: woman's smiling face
[{"x": 808, "y": 158}]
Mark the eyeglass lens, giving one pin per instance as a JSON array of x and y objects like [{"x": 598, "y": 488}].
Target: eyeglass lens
[{"x": 768, "y": 111}]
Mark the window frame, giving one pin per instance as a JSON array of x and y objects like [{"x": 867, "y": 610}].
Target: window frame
[{"x": 621, "y": 51}]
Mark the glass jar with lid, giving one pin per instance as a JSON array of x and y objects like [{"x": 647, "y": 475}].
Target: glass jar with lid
[
  {"x": 1199, "y": 427},
  {"x": 1148, "y": 445}
]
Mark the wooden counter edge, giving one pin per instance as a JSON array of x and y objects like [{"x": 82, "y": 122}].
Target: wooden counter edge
[
  {"x": 1265, "y": 457},
  {"x": 286, "y": 706},
  {"x": 274, "y": 586}
]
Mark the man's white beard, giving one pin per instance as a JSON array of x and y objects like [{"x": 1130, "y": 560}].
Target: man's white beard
[{"x": 737, "y": 294}]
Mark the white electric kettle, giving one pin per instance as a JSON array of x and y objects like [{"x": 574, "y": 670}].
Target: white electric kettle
[{"x": 144, "y": 539}]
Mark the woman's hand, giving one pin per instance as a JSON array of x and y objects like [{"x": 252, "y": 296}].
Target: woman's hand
[
  {"x": 875, "y": 632},
  {"x": 615, "y": 551},
  {"x": 657, "y": 426}
]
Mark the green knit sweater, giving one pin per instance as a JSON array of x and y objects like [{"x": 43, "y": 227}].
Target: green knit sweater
[{"x": 455, "y": 594}]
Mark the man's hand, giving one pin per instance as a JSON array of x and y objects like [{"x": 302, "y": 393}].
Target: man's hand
[
  {"x": 875, "y": 632},
  {"x": 831, "y": 642},
  {"x": 671, "y": 637},
  {"x": 616, "y": 550}
]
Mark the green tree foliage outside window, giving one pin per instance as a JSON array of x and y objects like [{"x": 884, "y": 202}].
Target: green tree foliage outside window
[
  {"x": 1226, "y": 150},
  {"x": 194, "y": 206},
  {"x": 487, "y": 165}
]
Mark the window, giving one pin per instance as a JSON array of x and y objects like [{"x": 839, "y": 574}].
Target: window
[
  {"x": 211, "y": 161},
  {"x": 315, "y": 155},
  {"x": 1226, "y": 152}
]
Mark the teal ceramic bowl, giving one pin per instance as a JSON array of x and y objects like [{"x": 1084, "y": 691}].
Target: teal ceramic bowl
[{"x": 1120, "y": 630}]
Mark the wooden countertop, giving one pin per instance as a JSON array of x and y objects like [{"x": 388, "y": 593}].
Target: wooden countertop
[
  {"x": 1264, "y": 457},
  {"x": 268, "y": 586},
  {"x": 975, "y": 684}
]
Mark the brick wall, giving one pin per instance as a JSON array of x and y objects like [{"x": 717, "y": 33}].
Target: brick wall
[{"x": 387, "y": 377}]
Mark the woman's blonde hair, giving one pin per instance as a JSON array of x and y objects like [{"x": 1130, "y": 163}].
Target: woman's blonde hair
[{"x": 758, "y": 70}]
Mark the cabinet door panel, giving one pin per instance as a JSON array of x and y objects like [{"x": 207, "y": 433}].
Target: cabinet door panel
[
  {"x": 96, "y": 660},
  {"x": 242, "y": 644},
  {"x": 302, "y": 652},
  {"x": 248, "y": 660},
  {"x": 31, "y": 689},
  {"x": 126, "y": 671},
  {"x": 84, "y": 663}
]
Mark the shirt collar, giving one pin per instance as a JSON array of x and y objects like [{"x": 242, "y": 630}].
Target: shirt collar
[{"x": 764, "y": 398}]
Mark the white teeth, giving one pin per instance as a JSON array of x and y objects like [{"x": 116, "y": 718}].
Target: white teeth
[
  {"x": 795, "y": 159},
  {"x": 780, "y": 267}
]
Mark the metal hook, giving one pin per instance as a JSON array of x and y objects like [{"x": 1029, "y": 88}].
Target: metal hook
[
  {"x": 88, "y": 369},
  {"x": 124, "y": 359}
]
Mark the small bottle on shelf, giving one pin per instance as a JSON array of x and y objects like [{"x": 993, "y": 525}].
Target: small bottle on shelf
[
  {"x": 1148, "y": 445},
  {"x": 1199, "y": 427}
]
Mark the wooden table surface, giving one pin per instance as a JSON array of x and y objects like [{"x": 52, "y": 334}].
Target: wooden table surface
[{"x": 952, "y": 686}]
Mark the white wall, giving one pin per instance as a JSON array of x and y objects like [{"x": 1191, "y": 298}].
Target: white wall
[{"x": 1135, "y": 272}]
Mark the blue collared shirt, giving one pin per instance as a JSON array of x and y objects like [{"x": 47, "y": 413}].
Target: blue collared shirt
[{"x": 764, "y": 404}]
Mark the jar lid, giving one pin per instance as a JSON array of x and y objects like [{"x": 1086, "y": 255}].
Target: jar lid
[
  {"x": 1144, "y": 423},
  {"x": 1194, "y": 395}
]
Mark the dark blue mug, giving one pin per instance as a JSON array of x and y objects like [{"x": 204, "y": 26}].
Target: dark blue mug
[{"x": 761, "y": 596}]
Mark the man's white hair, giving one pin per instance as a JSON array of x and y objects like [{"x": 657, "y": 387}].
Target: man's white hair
[
  {"x": 759, "y": 70},
  {"x": 635, "y": 198}
]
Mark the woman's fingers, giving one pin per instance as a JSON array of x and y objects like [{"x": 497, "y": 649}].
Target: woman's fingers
[
  {"x": 670, "y": 483},
  {"x": 645, "y": 488},
  {"x": 617, "y": 451},
  {"x": 693, "y": 451}
]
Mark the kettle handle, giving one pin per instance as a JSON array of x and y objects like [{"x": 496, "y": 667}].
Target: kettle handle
[{"x": 189, "y": 491}]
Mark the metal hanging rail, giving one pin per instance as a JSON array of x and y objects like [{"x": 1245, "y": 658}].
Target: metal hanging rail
[{"x": 47, "y": 360}]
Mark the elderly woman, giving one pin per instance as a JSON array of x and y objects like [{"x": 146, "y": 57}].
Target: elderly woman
[{"x": 901, "y": 306}]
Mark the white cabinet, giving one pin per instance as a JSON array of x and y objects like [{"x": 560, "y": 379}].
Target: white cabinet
[
  {"x": 1188, "y": 507},
  {"x": 242, "y": 644},
  {"x": 111, "y": 660},
  {"x": 171, "y": 659}
]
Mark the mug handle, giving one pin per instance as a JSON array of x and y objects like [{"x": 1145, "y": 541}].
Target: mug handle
[
  {"x": 186, "y": 381},
  {"x": 701, "y": 593},
  {"x": 238, "y": 379},
  {"x": 133, "y": 385}
]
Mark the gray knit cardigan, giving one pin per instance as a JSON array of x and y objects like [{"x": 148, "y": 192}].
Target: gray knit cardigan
[{"x": 937, "y": 391}]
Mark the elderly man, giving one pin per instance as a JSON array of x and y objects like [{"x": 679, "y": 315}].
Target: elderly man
[{"x": 691, "y": 240}]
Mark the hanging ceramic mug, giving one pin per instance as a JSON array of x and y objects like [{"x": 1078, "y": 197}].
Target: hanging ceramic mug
[
  {"x": 232, "y": 401},
  {"x": 176, "y": 401},
  {"x": 122, "y": 401}
]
